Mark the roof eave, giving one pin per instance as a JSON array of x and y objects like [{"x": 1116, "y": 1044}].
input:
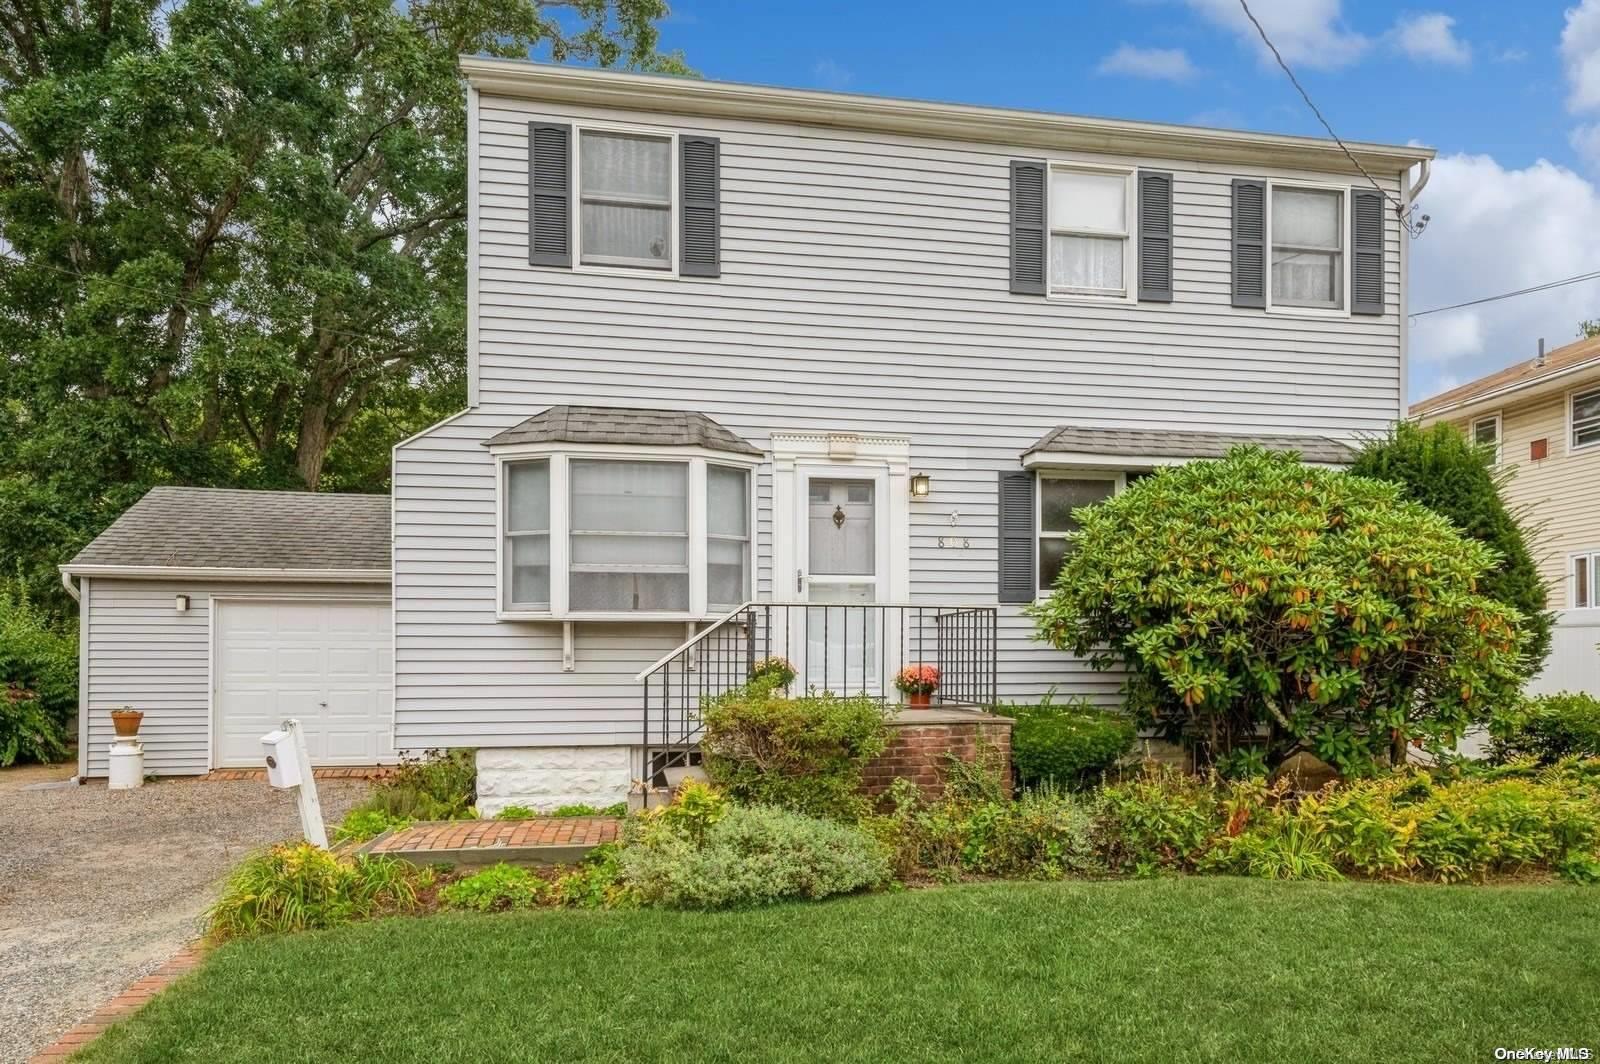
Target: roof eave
[
  {"x": 1494, "y": 398},
  {"x": 1022, "y": 129},
  {"x": 1047, "y": 458},
  {"x": 217, "y": 572}
]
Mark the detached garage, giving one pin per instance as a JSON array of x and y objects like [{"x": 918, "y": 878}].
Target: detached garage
[{"x": 218, "y": 613}]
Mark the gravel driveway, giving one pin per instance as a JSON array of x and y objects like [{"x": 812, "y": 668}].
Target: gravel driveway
[{"x": 99, "y": 888}]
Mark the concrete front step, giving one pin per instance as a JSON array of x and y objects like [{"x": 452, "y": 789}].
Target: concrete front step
[{"x": 540, "y": 841}]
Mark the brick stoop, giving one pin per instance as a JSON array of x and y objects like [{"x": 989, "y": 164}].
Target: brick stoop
[
  {"x": 922, "y": 741},
  {"x": 338, "y": 772},
  {"x": 120, "y": 1007},
  {"x": 542, "y": 840}
]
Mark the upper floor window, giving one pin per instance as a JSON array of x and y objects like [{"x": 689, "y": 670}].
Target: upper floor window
[
  {"x": 625, "y": 200},
  {"x": 1585, "y": 419},
  {"x": 612, "y": 536},
  {"x": 1089, "y": 232},
  {"x": 1307, "y": 235},
  {"x": 1059, "y": 495},
  {"x": 1486, "y": 433}
]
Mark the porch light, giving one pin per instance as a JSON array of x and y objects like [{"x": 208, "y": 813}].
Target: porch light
[
  {"x": 921, "y": 486},
  {"x": 181, "y": 603}
]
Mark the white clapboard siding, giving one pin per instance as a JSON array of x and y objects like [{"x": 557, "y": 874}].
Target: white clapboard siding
[
  {"x": 864, "y": 288},
  {"x": 140, "y": 651}
]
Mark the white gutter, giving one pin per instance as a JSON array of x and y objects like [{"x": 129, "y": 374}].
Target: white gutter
[
  {"x": 153, "y": 572},
  {"x": 66, "y": 582},
  {"x": 994, "y": 125}
]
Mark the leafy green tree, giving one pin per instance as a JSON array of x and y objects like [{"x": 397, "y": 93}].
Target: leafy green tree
[
  {"x": 232, "y": 239},
  {"x": 1444, "y": 471},
  {"x": 1255, "y": 591}
]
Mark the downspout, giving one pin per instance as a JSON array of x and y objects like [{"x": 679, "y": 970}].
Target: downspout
[
  {"x": 72, "y": 589},
  {"x": 1422, "y": 180}
]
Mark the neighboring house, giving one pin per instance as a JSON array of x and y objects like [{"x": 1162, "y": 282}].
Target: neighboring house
[
  {"x": 731, "y": 343},
  {"x": 1542, "y": 416}
]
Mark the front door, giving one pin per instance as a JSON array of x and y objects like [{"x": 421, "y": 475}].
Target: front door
[{"x": 843, "y": 574}]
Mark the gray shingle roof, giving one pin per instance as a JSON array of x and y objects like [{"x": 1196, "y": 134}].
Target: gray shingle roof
[
  {"x": 1176, "y": 443},
  {"x": 607, "y": 424},
  {"x": 225, "y": 528}
]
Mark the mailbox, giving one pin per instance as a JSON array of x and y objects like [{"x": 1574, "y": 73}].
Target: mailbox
[{"x": 283, "y": 759}]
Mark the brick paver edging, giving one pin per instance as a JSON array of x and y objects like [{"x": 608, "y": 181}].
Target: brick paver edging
[
  {"x": 356, "y": 772},
  {"x": 541, "y": 840},
  {"x": 120, "y": 1007}
]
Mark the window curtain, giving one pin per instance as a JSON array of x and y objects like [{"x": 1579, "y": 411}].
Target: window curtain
[{"x": 626, "y": 186}]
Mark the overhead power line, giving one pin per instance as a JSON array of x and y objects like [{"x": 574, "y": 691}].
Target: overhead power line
[
  {"x": 1400, "y": 210},
  {"x": 1591, "y": 276}
]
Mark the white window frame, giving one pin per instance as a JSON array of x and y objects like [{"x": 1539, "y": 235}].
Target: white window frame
[
  {"x": 1499, "y": 436},
  {"x": 1130, "y": 245},
  {"x": 1292, "y": 309},
  {"x": 576, "y": 184},
  {"x": 1573, "y": 446},
  {"x": 748, "y": 539},
  {"x": 1592, "y": 559},
  {"x": 559, "y": 457},
  {"x": 1119, "y": 483}
]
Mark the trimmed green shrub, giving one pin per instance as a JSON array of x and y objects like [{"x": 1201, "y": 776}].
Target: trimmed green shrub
[
  {"x": 499, "y": 888},
  {"x": 1548, "y": 728},
  {"x": 360, "y": 825},
  {"x": 805, "y": 754},
  {"x": 753, "y": 855},
  {"x": 1457, "y": 479},
  {"x": 1256, "y": 591},
  {"x": 302, "y": 888},
  {"x": 1072, "y": 744},
  {"x": 616, "y": 809},
  {"x": 38, "y": 682}
]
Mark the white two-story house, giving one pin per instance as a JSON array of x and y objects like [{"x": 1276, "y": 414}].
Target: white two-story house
[{"x": 734, "y": 344}]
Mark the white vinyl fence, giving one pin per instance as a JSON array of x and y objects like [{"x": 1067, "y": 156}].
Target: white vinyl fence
[{"x": 1574, "y": 663}]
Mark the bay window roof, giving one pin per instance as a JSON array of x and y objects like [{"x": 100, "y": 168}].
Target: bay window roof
[
  {"x": 618, "y": 425},
  {"x": 1067, "y": 443}
]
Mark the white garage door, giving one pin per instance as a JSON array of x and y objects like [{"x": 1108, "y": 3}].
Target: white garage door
[{"x": 330, "y": 664}]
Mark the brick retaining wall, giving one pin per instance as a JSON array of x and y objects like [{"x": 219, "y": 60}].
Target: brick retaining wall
[{"x": 920, "y": 745}]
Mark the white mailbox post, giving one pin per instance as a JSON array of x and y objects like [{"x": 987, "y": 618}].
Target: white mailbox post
[{"x": 289, "y": 767}]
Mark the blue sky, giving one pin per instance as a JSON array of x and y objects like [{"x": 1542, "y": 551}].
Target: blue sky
[{"x": 1508, "y": 93}]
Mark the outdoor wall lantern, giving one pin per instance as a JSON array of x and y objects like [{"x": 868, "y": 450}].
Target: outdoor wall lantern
[
  {"x": 181, "y": 603},
  {"x": 921, "y": 486}
]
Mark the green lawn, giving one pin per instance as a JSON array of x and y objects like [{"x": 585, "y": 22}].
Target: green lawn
[{"x": 1166, "y": 970}]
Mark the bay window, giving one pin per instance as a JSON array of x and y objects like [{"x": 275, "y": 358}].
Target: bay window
[{"x": 613, "y": 535}]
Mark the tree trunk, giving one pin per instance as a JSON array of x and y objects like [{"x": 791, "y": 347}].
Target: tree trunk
[{"x": 311, "y": 450}]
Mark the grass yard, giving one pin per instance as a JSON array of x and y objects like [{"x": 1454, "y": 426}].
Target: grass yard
[{"x": 1165, "y": 970}]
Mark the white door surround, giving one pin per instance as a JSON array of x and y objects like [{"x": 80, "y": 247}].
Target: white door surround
[
  {"x": 883, "y": 460},
  {"x": 326, "y": 660}
]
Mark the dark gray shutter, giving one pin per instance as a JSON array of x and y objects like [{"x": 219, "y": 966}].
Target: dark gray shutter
[
  {"x": 1019, "y": 575},
  {"x": 1155, "y": 236},
  {"x": 549, "y": 194},
  {"x": 1366, "y": 251},
  {"x": 1249, "y": 243},
  {"x": 1027, "y": 227},
  {"x": 700, "y": 184}
]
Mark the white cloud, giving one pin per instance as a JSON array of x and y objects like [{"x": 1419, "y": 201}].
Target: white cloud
[
  {"x": 1308, "y": 33},
  {"x": 1585, "y": 140},
  {"x": 1166, "y": 64},
  {"x": 831, "y": 75},
  {"x": 1494, "y": 230},
  {"x": 1580, "y": 54},
  {"x": 1431, "y": 38}
]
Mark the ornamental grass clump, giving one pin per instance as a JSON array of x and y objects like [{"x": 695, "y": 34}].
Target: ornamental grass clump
[
  {"x": 302, "y": 887},
  {"x": 1255, "y": 593}
]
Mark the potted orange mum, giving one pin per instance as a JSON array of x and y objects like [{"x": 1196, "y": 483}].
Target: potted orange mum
[{"x": 917, "y": 683}]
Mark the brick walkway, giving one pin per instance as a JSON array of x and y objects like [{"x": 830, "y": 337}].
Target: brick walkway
[
  {"x": 352, "y": 772},
  {"x": 120, "y": 1007},
  {"x": 434, "y": 836}
]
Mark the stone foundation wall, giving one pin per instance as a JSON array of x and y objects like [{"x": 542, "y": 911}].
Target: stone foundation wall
[
  {"x": 920, "y": 752},
  {"x": 543, "y": 778}
]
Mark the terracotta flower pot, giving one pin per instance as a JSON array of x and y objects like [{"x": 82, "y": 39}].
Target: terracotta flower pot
[
  {"x": 126, "y": 721},
  {"x": 919, "y": 698}
]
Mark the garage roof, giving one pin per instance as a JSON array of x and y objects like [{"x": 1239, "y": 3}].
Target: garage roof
[{"x": 289, "y": 532}]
